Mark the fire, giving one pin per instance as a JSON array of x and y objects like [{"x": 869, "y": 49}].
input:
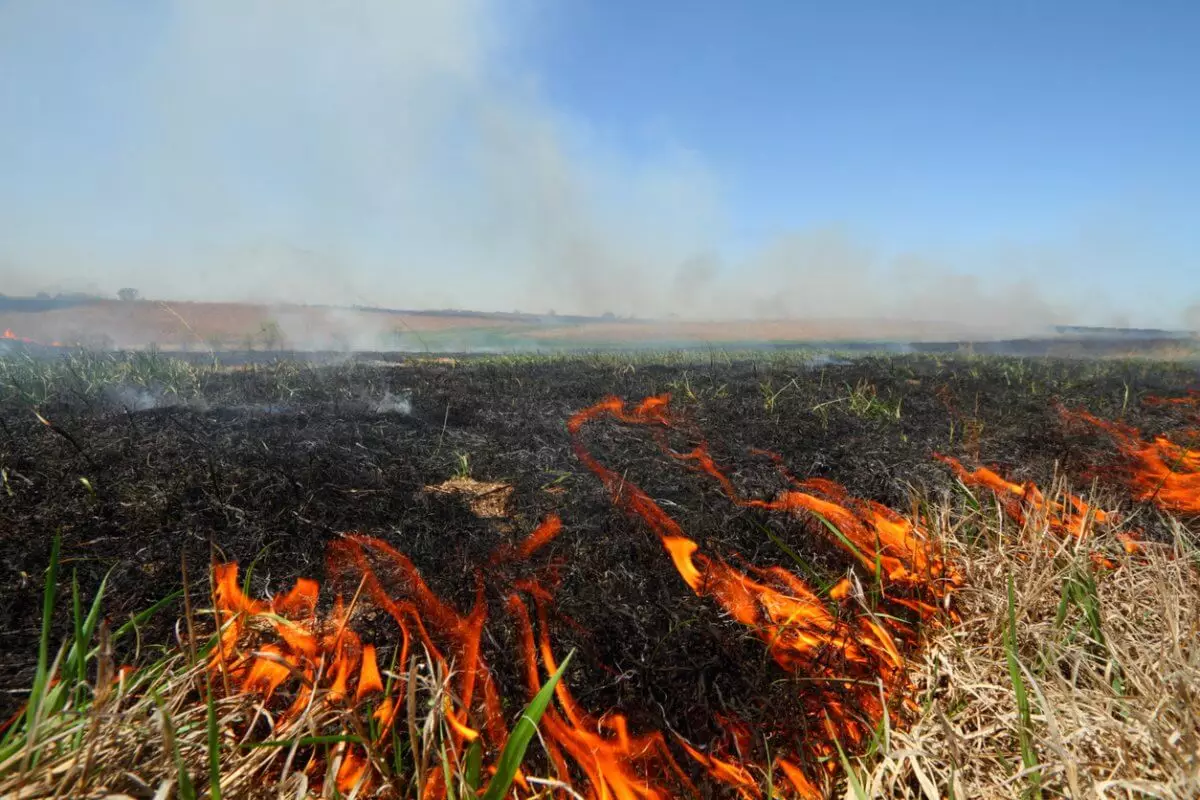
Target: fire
[
  {"x": 881, "y": 540},
  {"x": 790, "y": 619},
  {"x": 12, "y": 337},
  {"x": 1072, "y": 518},
  {"x": 323, "y": 663},
  {"x": 1158, "y": 471},
  {"x": 1191, "y": 399},
  {"x": 617, "y": 763},
  {"x": 846, "y": 660},
  {"x": 847, "y": 665}
]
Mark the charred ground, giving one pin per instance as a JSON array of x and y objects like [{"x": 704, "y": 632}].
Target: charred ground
[{"x": 269, "y": 464}]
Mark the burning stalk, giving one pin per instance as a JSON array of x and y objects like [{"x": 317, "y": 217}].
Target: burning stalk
[
  {"x": 1068, "y": 518},
  {"x": 1158, "y": 471},
  {"x": 848, "y": 666},
  {"x": 848, "y": 658}
]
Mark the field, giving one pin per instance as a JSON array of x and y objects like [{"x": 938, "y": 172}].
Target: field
[
  {"x": 204, "y": 327},
  {"x": 769, "y": 583}
]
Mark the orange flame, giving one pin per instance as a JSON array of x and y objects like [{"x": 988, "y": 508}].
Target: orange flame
[
  {"x": 320, "y": 660},
  {"x": 876, "y": 536},
  {"x": 8, "y": 334},
  {"x": 1192, "y": 398},
  {"x": 797, "y": 628},
  {"x": 617, "y": 763},
  {"x": 1158, "y": 471},
  {"x": 541, "y": 536},
  {"x": 353, "y": 769},
  {"x": 849, "y": 664},
  {"x": 849, "y": 659},
  {"x": 1073, "y": 518}
]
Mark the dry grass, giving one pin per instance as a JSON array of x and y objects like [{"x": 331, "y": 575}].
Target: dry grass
[
  {"x": 1108, "y": 660},
  {"x": 151, "y": 737},
  {"x": 486, "y": 499}
]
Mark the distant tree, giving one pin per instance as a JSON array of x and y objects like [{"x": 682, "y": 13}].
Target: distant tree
[
  {"x": 271, "y": 334},
  {"x": 129, "y": 295},
  {"x": 608, "y": 315}
]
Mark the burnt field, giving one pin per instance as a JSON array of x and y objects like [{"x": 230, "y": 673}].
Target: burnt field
[{"x": 141, "y": 464}]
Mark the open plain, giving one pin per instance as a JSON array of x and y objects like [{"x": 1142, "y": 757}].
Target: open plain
[{"x": 662, "y": 542}]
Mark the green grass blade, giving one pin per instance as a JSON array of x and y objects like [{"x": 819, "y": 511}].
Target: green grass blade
[
  {"x": 787, "y": 549},
  {"x": 75, "y": 668},
  {"x": 968, "y": 497},
  {"x": 76, "y": 617},
  {"x": 446, "y": 776},
  {"x": 474, "y": 766},
  {"x": 1025, "y": 717},
  {"x": 214, "y": 746},
  {"x": 514, "y": 750},
  {"x": 849, "y": 545},
  {"x": 250, "y": 570},
  {"x": 851, "y": 776},
  {"x": 40, "y": 676},
  {"x": 93, "y": 618},
  {"x": 140, "y": 617},
  {"x": 397, "y": 753}
]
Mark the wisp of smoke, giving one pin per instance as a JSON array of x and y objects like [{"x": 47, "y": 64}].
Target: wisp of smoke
[{"x": 393, "y": 153}]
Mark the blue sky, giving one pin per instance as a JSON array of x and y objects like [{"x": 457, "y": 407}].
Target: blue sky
[
  {"x": 1032, "y": 161},
  {"x": 920, "y": 119}
]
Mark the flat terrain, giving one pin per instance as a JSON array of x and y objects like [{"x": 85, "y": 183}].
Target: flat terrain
[
  {"x": 269, "y": 464},
  {"x": 202, "y": 327},
  {"x": 142, "y": 462}
]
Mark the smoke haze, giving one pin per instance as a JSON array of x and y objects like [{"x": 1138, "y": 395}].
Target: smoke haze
[{"x": 396, "y": 153}]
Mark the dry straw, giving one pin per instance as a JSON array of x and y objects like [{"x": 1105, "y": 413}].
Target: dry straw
[{"x": 1061, "y": 679}]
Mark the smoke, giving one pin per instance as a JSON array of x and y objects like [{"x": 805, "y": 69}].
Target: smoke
[
  {"x": 395, "y": 153},
  {"x": 1191, "y": 317}
]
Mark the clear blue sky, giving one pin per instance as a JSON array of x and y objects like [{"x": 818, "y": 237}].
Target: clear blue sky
[
  {"x": 915, "y": 118},
  {"x": 1055, "y": 139}
]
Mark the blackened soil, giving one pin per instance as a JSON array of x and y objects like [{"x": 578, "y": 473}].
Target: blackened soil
[{"x": 271, "y": 464}]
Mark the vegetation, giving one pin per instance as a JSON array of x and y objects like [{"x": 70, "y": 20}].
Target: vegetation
[
  {"x": 1052, "y": 670},
  {"x": 1060, "y": 667},
  {"x": 1061, "y": 680}
]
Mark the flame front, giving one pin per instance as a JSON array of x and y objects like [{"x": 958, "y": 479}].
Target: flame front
[
  {"x": 847, "y": 665},
  {"x": 1157, "y": 471},
  {"x": 616, "y": 763},
  {"x": 842, "y": 663},
  {"x": 12, "y": 337},
  {"x": 1072, "y": 518},
  {"x": 876, "y": 536}
]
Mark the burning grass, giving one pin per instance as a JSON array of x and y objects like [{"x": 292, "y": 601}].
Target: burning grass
[
  {"x": 1056, "y": 679},
  {"x": 740, "y": 627},
  {"x": 1061, "y": 679}
]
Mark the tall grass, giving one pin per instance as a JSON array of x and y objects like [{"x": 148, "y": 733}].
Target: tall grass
[
  {"x": 1063, "y": 678},
  {"x": 90, "y": 729}
]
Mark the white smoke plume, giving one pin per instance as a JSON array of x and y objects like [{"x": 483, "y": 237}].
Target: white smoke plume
[{"x": 396, "y": 153}]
